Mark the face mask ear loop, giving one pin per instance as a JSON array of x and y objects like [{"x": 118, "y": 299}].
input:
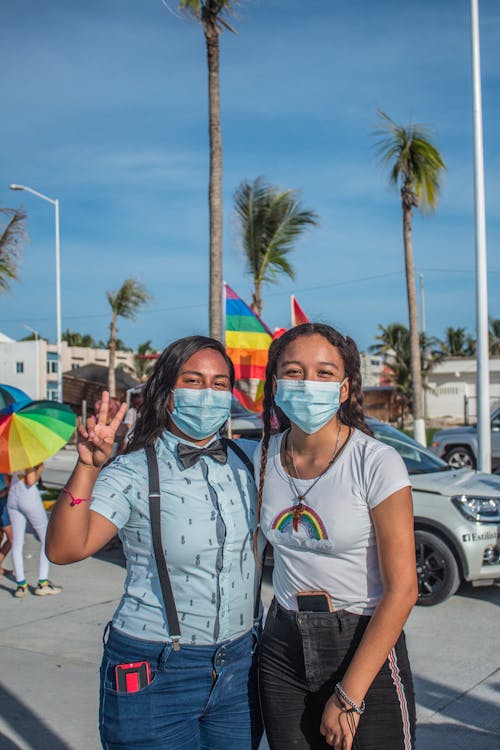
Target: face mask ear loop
[
  {"x": 343, "y": 403},
  {"x": 172, "y": 393}
]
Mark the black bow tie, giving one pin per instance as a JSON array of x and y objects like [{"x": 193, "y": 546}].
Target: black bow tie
[{"x": 190, "y": 454}]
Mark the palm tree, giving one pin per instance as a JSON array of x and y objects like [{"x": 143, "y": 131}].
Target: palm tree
[
  {"x": 142, "y": 361},
  {"x": 494, "y": 335},
  {"x": 415, "y": 167},
  {"x": 125, "y": 303},
  {"x": 12, "y": 236},
  {"x": 457, "y": 343},
  {"x": 74, "y": 338},
  {"x": 210, "y": 14},
  {"x": 270, "y": 221},
  {"x": 394, "y": 344}
]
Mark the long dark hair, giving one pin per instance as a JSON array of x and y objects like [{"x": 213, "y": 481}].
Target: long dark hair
[
  {"x": 153, "y": 417},
  {"x": 349, "y": 413}
]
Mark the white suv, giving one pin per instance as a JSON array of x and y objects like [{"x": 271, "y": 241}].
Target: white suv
[{"x": 457, "y": 519}]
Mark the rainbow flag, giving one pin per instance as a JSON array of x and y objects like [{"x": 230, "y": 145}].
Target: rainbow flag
[{"x": 247, "y": 342}]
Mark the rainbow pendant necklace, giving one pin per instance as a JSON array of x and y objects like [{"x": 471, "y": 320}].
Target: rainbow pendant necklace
[{"x": 301, "y": 507}]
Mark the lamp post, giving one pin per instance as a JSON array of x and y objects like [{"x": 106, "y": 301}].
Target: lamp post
[{"x": 55, "y": 203}]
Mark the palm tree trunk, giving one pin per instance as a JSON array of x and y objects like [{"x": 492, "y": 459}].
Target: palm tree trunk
[
  {"x": 215, "y": 179},
  {"x": 112, "y": 357},
  {"x": 257, "y": 298},
  {"x": 411, "y": 292}
]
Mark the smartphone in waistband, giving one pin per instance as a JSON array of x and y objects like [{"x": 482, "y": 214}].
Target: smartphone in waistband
[{"x": 314, "y": 601}]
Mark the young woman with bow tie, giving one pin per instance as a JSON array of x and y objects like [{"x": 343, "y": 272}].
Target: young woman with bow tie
[{"x": 179, "y": 667}]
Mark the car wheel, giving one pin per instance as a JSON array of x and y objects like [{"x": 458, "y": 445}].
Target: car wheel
[
  {"x": 460, "y": 457},
  {"x": 437, "y": 570}
]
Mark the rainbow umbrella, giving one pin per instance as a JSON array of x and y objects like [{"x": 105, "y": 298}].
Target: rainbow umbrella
[
  {"x": 10, "y": 397},
  {"x": 33, "y": 432}
]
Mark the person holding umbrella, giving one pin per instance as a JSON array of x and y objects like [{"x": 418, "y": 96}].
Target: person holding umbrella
[
  {"x": 30, "y": 432},
  {"x": 24, "y": 504},
  {"x": 5, "y": 525}
]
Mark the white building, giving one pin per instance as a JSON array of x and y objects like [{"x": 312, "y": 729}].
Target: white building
[
  {"x": 32, "y": 365},
  {"x": 452, "y": 394},
  {"x": 372, "y": 367}
]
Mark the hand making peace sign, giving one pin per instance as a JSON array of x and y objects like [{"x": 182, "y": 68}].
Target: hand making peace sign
[{"x": 95, "y": 440}]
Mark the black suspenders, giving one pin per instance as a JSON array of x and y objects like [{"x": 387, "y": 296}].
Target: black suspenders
[
  {"x": 154, "y": 517},
  {"x": 159, "y": 553}
]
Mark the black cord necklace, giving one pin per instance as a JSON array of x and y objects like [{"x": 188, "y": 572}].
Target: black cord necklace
[{"x": 301, "y": 507}]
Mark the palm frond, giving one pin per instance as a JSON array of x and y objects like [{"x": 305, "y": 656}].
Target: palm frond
[
  {"x": 414, "y": 162},
  {"x": 270, "y": 221},
  {"x": 210, "y": 11},
  {"x": 128, "y": 299},
  {"x": 12, "y": 238}
]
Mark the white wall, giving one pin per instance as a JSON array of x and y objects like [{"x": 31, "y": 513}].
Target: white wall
[
  {"x": 31, "y": 356},
  {"x": 371, "y": 369},
  {"x": 454, "y": 380}
]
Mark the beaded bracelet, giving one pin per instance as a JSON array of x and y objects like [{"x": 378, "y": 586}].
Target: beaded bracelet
[
  {"x": 76, "y": 500},
  {"x": 343, "y": 698}
]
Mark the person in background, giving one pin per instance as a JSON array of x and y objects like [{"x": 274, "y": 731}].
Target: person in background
[
  {"x": 128, "y": 424},
  {"x": 336, "y": 505},
  {"x": 5, "y": 525},
  {"x": 195, "y": 681},
  {"x": 25, "y": 504}
]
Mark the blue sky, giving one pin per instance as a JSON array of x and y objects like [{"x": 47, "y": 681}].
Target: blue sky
[{"x": 104, "y": 106}]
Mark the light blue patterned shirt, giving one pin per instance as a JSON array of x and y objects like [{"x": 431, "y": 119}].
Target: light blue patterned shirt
[{"x": 208, "y": 518}]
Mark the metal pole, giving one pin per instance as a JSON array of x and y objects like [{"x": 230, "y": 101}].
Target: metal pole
[
  {"x": 424, "y": 347},
  {"x": 483, "y": 400},
  {"x": 55, "y": 203},
  {"x": 58, "y": 308}
]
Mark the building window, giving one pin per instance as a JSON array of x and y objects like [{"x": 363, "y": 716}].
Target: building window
[{"x": 19, "y": 367}]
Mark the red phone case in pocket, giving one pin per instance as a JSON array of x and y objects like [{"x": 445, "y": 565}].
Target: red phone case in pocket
[{"x": 132, "y": 677}]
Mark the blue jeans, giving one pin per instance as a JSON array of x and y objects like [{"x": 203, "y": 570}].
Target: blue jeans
[
  {"x": 200, "y": 697},
  {"x": 302, "y": 656}
]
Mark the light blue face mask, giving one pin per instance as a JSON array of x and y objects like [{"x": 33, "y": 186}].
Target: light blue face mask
[
  {"x": 309, "y": 404},
  {"x": 199, "y": 413}
]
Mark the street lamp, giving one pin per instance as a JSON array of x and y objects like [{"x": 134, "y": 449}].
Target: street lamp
[{"x": 55, "y": 203}]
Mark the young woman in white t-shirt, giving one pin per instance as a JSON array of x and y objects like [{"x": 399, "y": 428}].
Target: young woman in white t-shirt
[{"x": 336, "y": 505}]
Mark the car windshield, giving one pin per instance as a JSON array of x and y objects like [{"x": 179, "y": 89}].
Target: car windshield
[{"x": 418, "y": 459}]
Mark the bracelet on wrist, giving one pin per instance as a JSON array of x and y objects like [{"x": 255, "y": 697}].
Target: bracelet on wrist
[
  {"x": 346, "y": 701},
  {"x": 76, "y": 500}
]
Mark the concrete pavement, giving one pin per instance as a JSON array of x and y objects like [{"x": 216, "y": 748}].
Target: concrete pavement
[{"x": 50, "y": 652}]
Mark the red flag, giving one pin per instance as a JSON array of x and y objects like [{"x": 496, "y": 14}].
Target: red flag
[{"x": 298, "y": 314}]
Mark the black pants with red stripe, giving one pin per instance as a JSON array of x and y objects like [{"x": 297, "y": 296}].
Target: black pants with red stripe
[{"x": 302, "y": 656}]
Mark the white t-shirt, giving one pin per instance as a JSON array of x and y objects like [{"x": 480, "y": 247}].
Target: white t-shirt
[{"x": 334, "y": 547}]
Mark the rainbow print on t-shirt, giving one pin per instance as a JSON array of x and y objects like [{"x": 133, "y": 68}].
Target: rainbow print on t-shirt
[{"x": 309, "y": 521}]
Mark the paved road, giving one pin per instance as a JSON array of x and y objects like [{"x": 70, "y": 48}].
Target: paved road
[
  {"x": 59, "y": 467},
  {"x": 50, "y": 651}
]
